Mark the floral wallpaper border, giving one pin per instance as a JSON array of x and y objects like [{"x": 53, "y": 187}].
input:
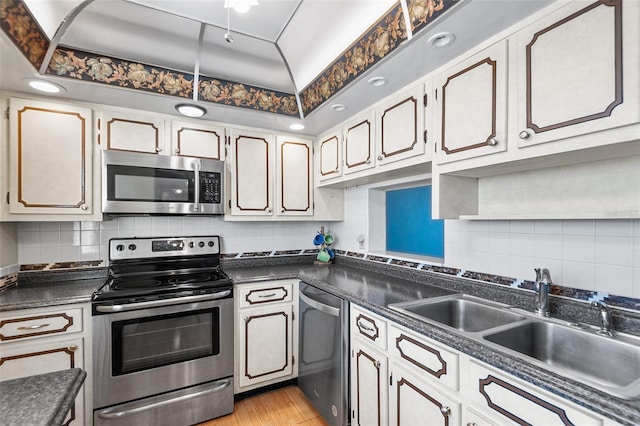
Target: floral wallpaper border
[{"x": 375, "y": 44}]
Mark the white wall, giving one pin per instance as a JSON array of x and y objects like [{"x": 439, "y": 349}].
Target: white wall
[
  {"x": 8, "y": 245},
  {"x": 599, "y": 255},
  {"x": 47, "y": 242}
]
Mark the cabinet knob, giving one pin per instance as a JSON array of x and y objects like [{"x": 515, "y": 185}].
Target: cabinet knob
[
  {"x": 158, "y": 149},
  {"x": 335, "y": 171},
  {"x": 524, "y": 134},
  {"x": 177, "y": 151},
  {"x": 493, "y": 142},
  {"x": 73, "y": 348},
  {"x": 84, "y": 207},
  {"x": 380, "y": 157},
  {"x": 268, "y": 210},
  {"x": 368, "y": 161},
  {"x": 446, "y": 411},
  {"x": 472, "y": 424},
  {"x": 282, "y": 211}
]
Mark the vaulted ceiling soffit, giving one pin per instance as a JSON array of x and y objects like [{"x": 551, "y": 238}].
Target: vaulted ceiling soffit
[{"x": 382, "y": 38}]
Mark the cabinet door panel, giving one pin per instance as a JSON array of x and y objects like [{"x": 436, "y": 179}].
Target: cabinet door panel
[
  {"x": 197, "y": 140},
  {"x": 369, "y": 400},
  {"x": 329, "y": 152},
  {"x": 577, "y": 73},
  {"x": 265, "y": 345},
  {"x": 358, "y": 143},
  {"x": 294, "y": 181},
  {"x": 126, "y": 132},
  {"x": 51, "y": 158},
  {"x": 251, "y": 177},
  {"x": 473, "y": 106}
]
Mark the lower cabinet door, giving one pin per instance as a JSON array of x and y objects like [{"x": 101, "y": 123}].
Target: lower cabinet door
[
  {"x": 369, "y": 398},
  {"x": 415, "y": 402},
  {"x": 40, "y": 358},
  {"x": 265, "y": 344}
]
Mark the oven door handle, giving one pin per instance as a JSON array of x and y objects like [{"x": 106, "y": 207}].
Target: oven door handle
[
  {"x": 109, "y": 415},
  {"x": 165, "y": 302}
]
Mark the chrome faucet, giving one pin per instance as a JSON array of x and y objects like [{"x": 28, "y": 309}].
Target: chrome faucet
[
  {"x": 543, "y": 281},
  {"x": 604, "y": 314}
]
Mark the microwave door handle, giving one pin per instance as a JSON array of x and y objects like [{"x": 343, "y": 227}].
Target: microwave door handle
[{"x": 196, "y": 203}]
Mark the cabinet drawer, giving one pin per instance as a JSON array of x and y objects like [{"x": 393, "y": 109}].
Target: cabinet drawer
[
  {"x": 430, "y": 360},
  {"x": 507, "y": 400},
  {"x": 368, "y": 326},
  {"x": 265, "y": 294},
  {"x": 40, "y": 324}
]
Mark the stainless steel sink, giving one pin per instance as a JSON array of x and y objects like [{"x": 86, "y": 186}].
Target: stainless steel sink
[
  {"x": 459, "y": 311},
  {"x": 611, "y": 364}
]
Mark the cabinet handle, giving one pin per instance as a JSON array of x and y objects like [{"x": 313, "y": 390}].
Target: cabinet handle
[
  {"x": 364, "y": 327},
  {"x": 380, "y": 158},
  {"x": 446, "y": 411},
  {"x": 472, "y": 424},
  {"x": 267, "y": 295},
  {"x": 33, "y": 327},
  {"x": 84, "y": 207},
  {"x": 493, "y": 142},
  {"x": 524, "y": 134},
  {"x": 158, "y": 149},
  {"x": 73, "y": 348}
]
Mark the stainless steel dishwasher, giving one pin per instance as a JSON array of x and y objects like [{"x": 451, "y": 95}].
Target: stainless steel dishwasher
[{"x": 323, "y": 354}]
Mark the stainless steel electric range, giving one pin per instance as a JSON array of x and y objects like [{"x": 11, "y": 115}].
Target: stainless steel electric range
[{"x": 163, "y": 333}]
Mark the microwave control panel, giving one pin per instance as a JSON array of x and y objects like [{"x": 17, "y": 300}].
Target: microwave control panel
[{"x": 210, "y": 187}]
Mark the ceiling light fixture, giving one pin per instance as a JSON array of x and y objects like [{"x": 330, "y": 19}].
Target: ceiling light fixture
[
  {"x": 45, "y": 86},
  {"x": 377, "y": 81},
  {"x": 296, "y": 126},
  {"x": 441, "y": 39},
  {"x": 338, "y": 107},
  {"x": 191, "y": 110},
  {"x": 240, "y": 6}
]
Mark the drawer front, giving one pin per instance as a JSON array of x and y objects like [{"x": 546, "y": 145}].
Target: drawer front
[
  {"x": 14, "y": 328},
  {"x": 369, "y": 327},
  {"x": 430, "y": 360},
  {"x": 269, "y": 293},
  {"x": 507, "y": 400}
]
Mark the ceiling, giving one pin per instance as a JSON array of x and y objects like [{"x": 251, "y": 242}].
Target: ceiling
[{"x": 282, "y": 46}]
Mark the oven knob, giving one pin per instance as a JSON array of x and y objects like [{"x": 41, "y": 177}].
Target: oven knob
[
  {"x": 119, "y": 247},
  {"x": 132, "y": 247},
  {"x": 201, "y": 244},
  {"x": 211, "y": 243},
  {"x": 191, "y": 245}
]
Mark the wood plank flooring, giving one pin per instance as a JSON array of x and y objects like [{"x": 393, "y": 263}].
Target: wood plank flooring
[{"x": 285, "y": 406}]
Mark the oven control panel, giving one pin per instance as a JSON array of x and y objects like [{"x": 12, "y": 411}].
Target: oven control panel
[{"x": 143, "y": 248}]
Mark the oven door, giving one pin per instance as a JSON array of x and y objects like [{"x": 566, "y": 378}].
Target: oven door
[{"x": 144, "y": 352}]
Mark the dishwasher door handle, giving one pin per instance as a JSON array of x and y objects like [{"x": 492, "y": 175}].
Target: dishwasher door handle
[{"x": 330, "y": 310}]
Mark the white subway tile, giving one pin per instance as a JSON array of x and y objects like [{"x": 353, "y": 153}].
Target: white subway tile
[
  {"x": 548, "y": 246},
  {"x": 71, "y": 238},
  {"x": 521, "y": 267},
  {"x": 522, "y": 227},
  {"x": 578, "y": 227},
  {"x": 70, "y": 253},
  {"x": 499, "y": 243},
  {"x": 126, "y": 223},
  {"x": 28, "y": 239},
  {"x": 90, "y": 252},
  {"x": 27, "y": 255},
  {"x": 614, "y": 251},
  {"x": 548, "y": 226},
  {"x": 614, "y": 228},
  {"x": 521, "y": 245},
  {"x": 478, "y": 226},
  {"x": 499, "y": 264},
  {"x": 48, "y": 238},
  {"x": 617, "y": 280},
  {"x": 50, "y": 226},
  {"x": 578, "y": 275},
  {"x": 90, "y": 238},
  {"x": 502, "y": 226},
  {"x": 106, "y": 235},
  {"x": 142, "y": 222},
  {"x": 34, "y": 226},
  {"x": 578, "y": 248},
  {"x": 50, "y": 254},
  {"x": 89, "y": 226}
]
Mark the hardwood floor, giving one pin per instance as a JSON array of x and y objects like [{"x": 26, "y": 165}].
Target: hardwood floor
[{"x": 286, "y": 406}]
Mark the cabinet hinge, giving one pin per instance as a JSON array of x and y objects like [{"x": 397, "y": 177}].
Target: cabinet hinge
[
  {"x": 7, "y": 197},
  {"x": 425, "y": 136},
  {"x": 425, "y": 100},
  {"x": 229, "y": 204},
  {"x": 436, "y": 94},
  {"x": 6, "y": 113},
  {"x": 391, "y": 379},
  {"x": 353, "y": 414},
  {"x": 293, "y": 360},
  {"x": 435, "y": 147}
]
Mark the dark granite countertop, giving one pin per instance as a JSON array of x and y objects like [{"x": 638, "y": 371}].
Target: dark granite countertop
[{"x": 44, "y": 399}]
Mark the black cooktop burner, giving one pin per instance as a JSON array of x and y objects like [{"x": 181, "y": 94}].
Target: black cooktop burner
[
  {"x": 191, "y": 279},
  {"x": 129, "y": 283}
]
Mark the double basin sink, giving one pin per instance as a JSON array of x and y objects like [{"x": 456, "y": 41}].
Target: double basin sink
[{"x": 610, "y": 364}]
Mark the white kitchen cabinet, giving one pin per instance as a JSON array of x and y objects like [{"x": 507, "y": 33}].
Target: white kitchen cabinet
[
  {"x": 369, "y": 397},
  {"x": 251, "y": 164},
  {"x": 40, "y": 341},
  {"x": 294, "y": 176},
  {"x": 53, "y": 174},
  {"x": 266, "y": 333},
  {"x": 359, "y": 143},
  {"x": 400, "y": 126},
  {"x": 127, "y": 131},
  {"x": 578, "y": 71},
  {"x": 202, "y": 140},
  {"x": 472, "y": 106},
  {"x": 329, "y": 155}
]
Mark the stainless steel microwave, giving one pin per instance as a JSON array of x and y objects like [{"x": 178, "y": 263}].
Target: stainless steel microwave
[{"x": 140, "y": 183}]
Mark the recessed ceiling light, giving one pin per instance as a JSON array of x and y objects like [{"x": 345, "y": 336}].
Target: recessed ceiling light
[
  {"x": 377, "y": 81},
  {"x": 441, "y": 39},
  {"x": 46, "y": 86},
  {"x": 240, "y": 6},
  {"x": 338, "y": 107},
  {"x": 296, "y": 126},
  {"x": 191, "y": 110}
]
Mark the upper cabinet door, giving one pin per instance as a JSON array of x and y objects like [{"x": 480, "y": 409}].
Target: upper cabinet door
[
  {"x": 252, "y": 162},
  {"x": 51, "y": 158},
  {"x": 197, "y": 140},
  {"x": 329, "y": 155},
  {"x": 126, "y": 132},
  {"x": 472, "y": 106},
  {"x": 358, "y": 143},
  {"x": 294, "y": 186},
  {"x": 400, "y": 126},
  {"x": 577, "y": 73}
]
